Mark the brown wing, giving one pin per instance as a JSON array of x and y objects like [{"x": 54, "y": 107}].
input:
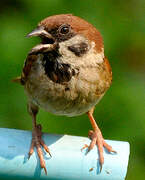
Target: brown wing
[
  {"x": 26, "y": 70},
  {"x": 105, "y": 77},
  {"x": 27, "y": 67},
  {"x": 108, "y": 68}
]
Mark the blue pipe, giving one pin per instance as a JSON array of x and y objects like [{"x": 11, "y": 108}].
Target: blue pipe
[{"x": 68, "y": 162}]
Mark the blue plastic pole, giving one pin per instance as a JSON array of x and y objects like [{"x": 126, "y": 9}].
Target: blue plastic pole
[{"x": 68, "y": 162}]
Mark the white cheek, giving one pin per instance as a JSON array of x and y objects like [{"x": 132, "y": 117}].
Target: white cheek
[
  {"x": 67, "y": 55},
  {"x": 90, "y": 58}
]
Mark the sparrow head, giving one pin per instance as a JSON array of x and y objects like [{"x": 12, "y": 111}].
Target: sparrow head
[
  {"x": 69, "y": 45},
  {"x": 60, "y": 28}
]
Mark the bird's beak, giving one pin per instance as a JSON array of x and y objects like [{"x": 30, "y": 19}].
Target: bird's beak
[
  {"x": 39, "y": 31},
  {"x": 43, "y": 47}
]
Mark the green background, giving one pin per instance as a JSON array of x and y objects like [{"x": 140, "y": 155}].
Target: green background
[{"x": 121, "y": 113}]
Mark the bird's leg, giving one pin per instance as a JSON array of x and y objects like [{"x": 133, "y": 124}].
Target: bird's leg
[
  {"x": 37, "y": 137},
  {"x": 97, "y": 139}
]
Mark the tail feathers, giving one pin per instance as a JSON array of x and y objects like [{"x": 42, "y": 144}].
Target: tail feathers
[{"x": 18, "y": 80}]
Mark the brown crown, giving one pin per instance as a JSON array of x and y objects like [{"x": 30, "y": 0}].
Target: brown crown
[{"x": 78, "y": 24}]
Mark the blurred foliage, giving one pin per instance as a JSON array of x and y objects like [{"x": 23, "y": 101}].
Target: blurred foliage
[{"x": 121, "y": 113}]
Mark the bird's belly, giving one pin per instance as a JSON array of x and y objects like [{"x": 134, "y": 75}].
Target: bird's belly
[
  {"x": 70, "y": 99},
  {"x": 63, "y": 106}
]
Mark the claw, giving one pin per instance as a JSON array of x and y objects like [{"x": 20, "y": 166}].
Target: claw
[
  {"x": 45, "y": 147},
  {"x": 97, "y": 139},
  {"x": 101, "y": 166},
  {"x": 45, "y": 170},
  {"x": 31, "y": 150},
  {"x": 37, "y": 142},
  {"x": 29, "y": 155},
  {"x": 85, "y": 146},
  {"x": 88, "y": 150},
  {"x": 114, "y": 152}
]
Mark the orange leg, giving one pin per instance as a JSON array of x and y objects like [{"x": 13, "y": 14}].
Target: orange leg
[
  {"x": 97, "y": 139},
  {"x": 37, "y": 140}
]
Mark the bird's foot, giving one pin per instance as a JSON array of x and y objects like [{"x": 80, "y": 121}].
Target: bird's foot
[
  {"x": 37, "y": 142},
  {"x": 97, "y": 139}
]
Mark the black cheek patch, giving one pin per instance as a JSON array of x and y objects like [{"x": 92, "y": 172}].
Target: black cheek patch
[{"x": 79, "y": 49}]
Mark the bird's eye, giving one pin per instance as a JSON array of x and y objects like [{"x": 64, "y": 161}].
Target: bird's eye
[{"x": 64, "y": 29}]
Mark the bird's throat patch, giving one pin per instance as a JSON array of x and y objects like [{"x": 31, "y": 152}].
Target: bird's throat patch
[{"x": 55, "y": 69}]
